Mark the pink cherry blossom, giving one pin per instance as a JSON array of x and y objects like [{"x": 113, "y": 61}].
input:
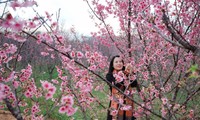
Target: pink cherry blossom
[
  {"x": 62, "y": 110},
  {"x": 48, "y": 95},
  {"x": 15, "y": 4},
  {"x": 11, "y": 49},
  {"x": 163, "y": 111},
  {"x": 93, "y": 67},
  {"x": 18, "y": 26},
  {"x": 19, "y": 58},
  {"x": 9, "y": 17},
  {"x": 73, "y": 54},
  {"x": 28, "y": 3},
  {"x": 126, "y": 107},
  {"x": 191, "y": 114},
  {"x": 26, "y": 73},
  {"x": 55, "y": 81},
  {"x": 52, "y": 89},
  {"x": 87, "y": 54},
  {"x": 35, "y": 109},
  {"x": 44, "y": 53},
  {"x": 16, "y": 84},
  {"x": 67, "y": 100},
  {"x": 49, "y": 88},
  {"x": 71, "y": 111},
  {"x": 11, "y": 76},
  {"x": 137, "y": 115},
  {"x": 164, "y": 101},
  {"x": 28, "y": 94},
  {"x": 80, "y": 55},
  {"x": 46, "y": 84},
  {"x": 31, "y": 24},
  {"x": 118, "y": 78},
  {"x": 114, "y": 112}
]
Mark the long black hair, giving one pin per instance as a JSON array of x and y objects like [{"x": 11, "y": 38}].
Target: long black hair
[{"x": 111, "y": 68}]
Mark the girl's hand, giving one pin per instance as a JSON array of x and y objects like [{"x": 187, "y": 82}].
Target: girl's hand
[{"x": 128, "y": 68}]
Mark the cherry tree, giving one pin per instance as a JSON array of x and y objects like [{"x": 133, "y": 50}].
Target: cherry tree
[
  {"x": 159, "y": 38},
  {"x": 20, "y": 92}
]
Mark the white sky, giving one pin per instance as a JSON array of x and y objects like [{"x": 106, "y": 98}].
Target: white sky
[{"x": 73, "y": 13}]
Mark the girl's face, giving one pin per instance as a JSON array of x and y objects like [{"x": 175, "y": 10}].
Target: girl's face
[{"x": 118, "y": 64}]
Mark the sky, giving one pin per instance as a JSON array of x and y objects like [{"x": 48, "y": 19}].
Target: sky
[{"x": 73, "y": 13}]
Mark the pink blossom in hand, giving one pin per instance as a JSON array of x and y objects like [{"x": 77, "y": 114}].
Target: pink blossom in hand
[{"x": 118, "y": 78}]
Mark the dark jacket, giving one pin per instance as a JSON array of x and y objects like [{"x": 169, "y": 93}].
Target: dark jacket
[{"x": 111, "y": 79}]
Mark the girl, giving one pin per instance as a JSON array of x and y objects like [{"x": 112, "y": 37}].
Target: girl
[{"x": 118, "y": 75}]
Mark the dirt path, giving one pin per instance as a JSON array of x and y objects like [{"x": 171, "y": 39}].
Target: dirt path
[{"x": 6, "y": 115}]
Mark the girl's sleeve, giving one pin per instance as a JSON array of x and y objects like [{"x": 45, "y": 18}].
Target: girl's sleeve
[
  {"x": 110, "y": 78},
  {"x": 135, "y": 84}
]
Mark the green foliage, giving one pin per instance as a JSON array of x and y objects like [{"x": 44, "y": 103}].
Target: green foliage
[
  {"x": 193, "y": 68},
  {"x": 194, "y": 71}
]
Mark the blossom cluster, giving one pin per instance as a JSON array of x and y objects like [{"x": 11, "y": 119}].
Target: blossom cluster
[
  {"x": 49, "y": 89},
  {"x": 6, "y": 51},
  {"x": 25, "y": 73},
  {"x": 67, "y": 105},
  {"x": 119, "y": 76},
  {"x": 31, "y": 89}
]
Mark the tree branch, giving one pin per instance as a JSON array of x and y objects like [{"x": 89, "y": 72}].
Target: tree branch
[
  {"x": 178, "y": 37},
  {"x": 15, "y": 111}
]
